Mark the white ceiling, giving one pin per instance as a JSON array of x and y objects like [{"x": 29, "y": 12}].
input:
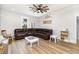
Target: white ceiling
[{"x": 24, "y": 8}]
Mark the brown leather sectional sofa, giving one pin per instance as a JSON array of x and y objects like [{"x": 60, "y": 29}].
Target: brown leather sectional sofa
[{"x": 37, "y": 32}]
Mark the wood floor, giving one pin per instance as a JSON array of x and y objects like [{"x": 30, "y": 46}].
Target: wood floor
[
  {"x": 3, "y": 49},
  {"x": 45, "y": 47}
]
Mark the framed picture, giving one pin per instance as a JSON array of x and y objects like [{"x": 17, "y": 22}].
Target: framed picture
[
  {"x": 24, "y": 26},
  {"x": 25, "y": 20},
  {"x": 47, "y": 22}
]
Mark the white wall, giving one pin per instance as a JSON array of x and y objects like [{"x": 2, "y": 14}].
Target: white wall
[
  {"x": 64, "y": 19},
  {"x": 10, "y": 21}
]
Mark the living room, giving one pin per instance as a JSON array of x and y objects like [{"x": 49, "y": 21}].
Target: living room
[{"x": 58, "y": 17}]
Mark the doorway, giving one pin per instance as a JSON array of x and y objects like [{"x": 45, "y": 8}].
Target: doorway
[{"x": 77, "y": 29}]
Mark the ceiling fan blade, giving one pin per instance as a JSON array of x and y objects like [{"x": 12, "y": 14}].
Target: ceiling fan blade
[
  {"x": 45, "y": 11},
  {"x": 33, "y": 9},
  {"x": 41, "y": 11},
  {"x": 35, "y": 5},
  {"x": 40, "y": 5},
  {"x": 30, "y": 7},
  {"x": 45, "y": 7}
]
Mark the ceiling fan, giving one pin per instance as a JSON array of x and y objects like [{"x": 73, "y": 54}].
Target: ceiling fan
[{"x": 39, "y": 8}]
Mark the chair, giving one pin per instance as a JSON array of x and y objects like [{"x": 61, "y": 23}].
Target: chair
[
  {"x": 5, "y": 37},
  {"x": 1, "y": 47},
  {"x": 5, "y": 40}
]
